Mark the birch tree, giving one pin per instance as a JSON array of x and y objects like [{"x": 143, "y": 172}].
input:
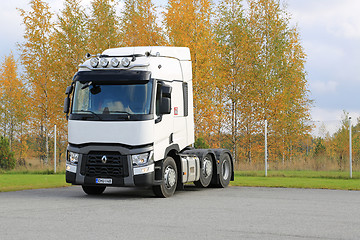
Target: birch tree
[
  {"x": 103, "y": 26},
  {"x": 188, "y": 24},
  {"x": 36, "y": 59},
  {"x": 68, "y": 50},
  {"x": 139, "y": 24},
  {"x": 13, "y": 110}
]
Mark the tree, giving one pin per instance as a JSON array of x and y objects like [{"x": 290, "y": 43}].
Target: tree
[
  {"x": 280, "y": 75},
  {"x": 103, "y": 26},
  {"x": 7, "y": 159},
  {"x": 295, "y": 112},
  {"x": 340, "y": 142},
  {"x": 68, "y": 50},
  {"x": 200, "y": 143},
  {"x": 236, "y": 80},
  {"x": 188, "y": 24},
  {"x": 70, "y": 41},
  {"x": 13, "y": 99},
  {"x": 36, "y": 59},
  {"x": 138, "y": 24}
]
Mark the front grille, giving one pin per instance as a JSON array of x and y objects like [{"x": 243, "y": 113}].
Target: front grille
[{"x": 115, "y": 165}]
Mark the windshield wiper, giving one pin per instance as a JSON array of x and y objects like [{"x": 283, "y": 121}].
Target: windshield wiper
[
  {"x": 89, "y": 111},
  {"x": 122, "y": 112}
]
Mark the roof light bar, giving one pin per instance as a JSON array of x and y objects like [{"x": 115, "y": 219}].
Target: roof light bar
[
  {"x": 94, "y": 62},
  {"x": 114, "y": 62},
  {"x": 104, "y": 62},
  {"x": 125, "y": 62}
]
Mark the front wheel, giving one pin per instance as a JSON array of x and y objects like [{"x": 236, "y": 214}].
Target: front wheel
[
  {"x": 93, "y": 190},
  {"x": 170, "y": 176}
]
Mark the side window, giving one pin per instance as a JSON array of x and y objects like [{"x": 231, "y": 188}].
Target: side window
[
  {"x": 157, "y": 103},
  {"x": 186, "y": 99}
]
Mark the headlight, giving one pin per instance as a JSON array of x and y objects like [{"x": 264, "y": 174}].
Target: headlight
[
  {"x": 73, "y": 157},
  {"x": 141, "y": 159}
]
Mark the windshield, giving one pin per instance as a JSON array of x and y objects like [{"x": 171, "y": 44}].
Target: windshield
[{"x": 112, "y": 99}]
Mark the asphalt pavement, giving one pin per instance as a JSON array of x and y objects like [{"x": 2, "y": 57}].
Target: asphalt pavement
[{"x": 230, "y": 213}]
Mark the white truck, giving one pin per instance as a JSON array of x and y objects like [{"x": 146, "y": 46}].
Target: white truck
[{"x": 131, "y": 123}]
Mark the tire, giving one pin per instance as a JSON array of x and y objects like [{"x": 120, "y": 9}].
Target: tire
[
  {"x": 225, "y": 170},
  {"x": 170, "y": 177},
  {"x": 206, "y": 171},
  {"x": 93, "y": 190}
]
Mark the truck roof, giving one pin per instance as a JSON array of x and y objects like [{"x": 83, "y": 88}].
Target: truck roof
[{"x": 181, "y": 53}]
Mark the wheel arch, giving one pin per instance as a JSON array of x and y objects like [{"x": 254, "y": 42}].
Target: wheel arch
[{"x": 173, "y": 151}]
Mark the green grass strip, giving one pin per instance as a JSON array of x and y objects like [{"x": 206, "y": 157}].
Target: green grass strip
[
  {"x": 300, "y": 174},
  {"x": 283, "y": 179},
  {"x": 16, "y": 182},
  {"x": 296, "y": 182},
  {"x": 44, "y": 172}
]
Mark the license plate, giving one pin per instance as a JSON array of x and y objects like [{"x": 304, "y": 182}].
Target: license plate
[{"x": 104, "y": 181}]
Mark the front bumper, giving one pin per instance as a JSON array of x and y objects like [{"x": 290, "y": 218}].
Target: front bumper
[{"x": 118, "y": 168}]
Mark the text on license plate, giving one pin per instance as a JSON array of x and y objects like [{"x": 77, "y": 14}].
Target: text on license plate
[{"x": 104, "y": 180}]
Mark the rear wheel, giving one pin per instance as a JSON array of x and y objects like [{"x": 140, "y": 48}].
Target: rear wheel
[
  {"x": 225, "y": 170},
  {"x": 170, "y": 176},
  {"x": 206, "y": 171},
  {"x": 93, "y": 190}
]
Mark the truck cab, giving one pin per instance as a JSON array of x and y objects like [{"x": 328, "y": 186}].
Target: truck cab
[{"x": 130, "y": 123}]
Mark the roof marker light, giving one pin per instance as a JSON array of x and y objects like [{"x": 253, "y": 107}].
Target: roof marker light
[
  {"x": 125, "y": 62},
  {"x": 94, "y": 62},
  {"x": 104, "y": 62},
  {"x": 114, "y": 62}
]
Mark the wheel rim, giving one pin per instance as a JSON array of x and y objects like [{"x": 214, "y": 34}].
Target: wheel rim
[
  {"x": 170, "y": 177},
  {"x": 225, "y": 169},
  {"x": 207, "y": 167}
]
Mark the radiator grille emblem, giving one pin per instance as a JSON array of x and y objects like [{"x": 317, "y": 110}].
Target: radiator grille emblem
[{"x": 104, "y": 159}]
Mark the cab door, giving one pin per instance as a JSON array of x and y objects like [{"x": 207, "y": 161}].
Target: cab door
[{"x": 164, "y": 123}]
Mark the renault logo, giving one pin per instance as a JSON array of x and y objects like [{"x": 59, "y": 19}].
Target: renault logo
[{"x": 104, "y": 159}]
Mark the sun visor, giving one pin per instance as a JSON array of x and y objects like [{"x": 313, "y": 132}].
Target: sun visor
[{"x": 113, "y": 77}]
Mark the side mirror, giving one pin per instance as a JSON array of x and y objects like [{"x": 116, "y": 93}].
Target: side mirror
[
  {"x": 67, "y": 105},
  {"x": 165, "y": 106},
  {"x": 166, "y": 91},
  {"x": 69, "y": 90},
  {"x": 165, "y": 101}
]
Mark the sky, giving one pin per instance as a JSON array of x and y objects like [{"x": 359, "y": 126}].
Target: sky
[{"x": 330, "y": 35}]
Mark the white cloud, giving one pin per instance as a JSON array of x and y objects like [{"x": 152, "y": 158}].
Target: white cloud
[
  {"x": 323, "y": 86},
  {"x": 331, "y": 119},
  {"x": 322, "y": 53},
  {"x": 340, "y": 18},
  {"x": 11, "y": 28}
]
